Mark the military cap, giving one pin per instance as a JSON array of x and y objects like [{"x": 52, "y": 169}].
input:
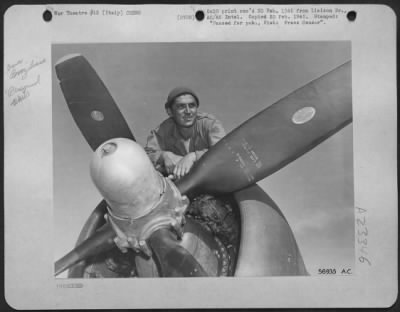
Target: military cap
[{"x": 178, "y": 92}]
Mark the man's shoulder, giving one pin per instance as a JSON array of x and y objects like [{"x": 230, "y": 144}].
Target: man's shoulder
[
  {"x": 166, "y": 126},
  {"x": 207, "y": 123},
  {"x": 169, "y": 122}
]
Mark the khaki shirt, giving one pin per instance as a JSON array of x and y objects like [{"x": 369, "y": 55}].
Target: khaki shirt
[{"x": 207, "y": 131}]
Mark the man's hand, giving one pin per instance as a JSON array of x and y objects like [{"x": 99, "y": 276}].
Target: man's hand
[
  {"x": 184, "y": 165},
  {"x": 170, "y": 161}
]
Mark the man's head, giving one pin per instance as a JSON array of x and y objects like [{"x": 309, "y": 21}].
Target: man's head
[{"x": 181, "y": 105}]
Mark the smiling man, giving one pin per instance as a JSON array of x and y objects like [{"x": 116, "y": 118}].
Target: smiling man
[{"x": 185, "y": 136}]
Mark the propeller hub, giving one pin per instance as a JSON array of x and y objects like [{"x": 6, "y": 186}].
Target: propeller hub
[{"x": 125, "y": 177}]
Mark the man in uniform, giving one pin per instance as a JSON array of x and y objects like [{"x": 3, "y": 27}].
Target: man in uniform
[
  {"x": 185, "y": 136},
  {"x": 176, "y": 145}
]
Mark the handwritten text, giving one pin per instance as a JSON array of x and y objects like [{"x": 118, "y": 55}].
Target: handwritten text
[{"x": 22, "y": 83}]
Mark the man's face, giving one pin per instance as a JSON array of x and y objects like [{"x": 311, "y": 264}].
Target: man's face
[{"x": 184, "y": 110}]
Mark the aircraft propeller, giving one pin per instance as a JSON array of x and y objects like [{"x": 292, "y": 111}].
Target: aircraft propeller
[{"x": 259, "y": 147}]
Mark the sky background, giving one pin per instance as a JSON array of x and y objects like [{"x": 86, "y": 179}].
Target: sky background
[{"x": 234, "y": 81}]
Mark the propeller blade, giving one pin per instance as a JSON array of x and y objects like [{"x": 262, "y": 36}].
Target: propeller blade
[
  {"x": 173, "y": 259},
  {"x": 267, "y": 244},
  {"x": 92, "y": 106},
  {"x": 101, "y": 241},
  {"x": 94, "y": 222},
  {"x": 99, "y": 119},
  {"x": 274, "y": 137}
]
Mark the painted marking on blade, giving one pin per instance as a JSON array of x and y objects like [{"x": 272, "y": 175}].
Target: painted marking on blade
[
  {"x": 303, "y": 115},
  {"x": 97, "y": 115},
  {"x": 251, "y": 153},
  {"x": 238, "y": 159}
]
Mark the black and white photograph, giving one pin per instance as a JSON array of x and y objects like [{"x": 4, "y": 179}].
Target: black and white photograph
[
  {"x": 200, "y": 156},
  {"x": 270, "y": 197}
]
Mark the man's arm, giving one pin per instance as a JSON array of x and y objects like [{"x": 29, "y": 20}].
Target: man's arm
[
  {"x": 215, "y": 132},
  {"x": 163, "y": 161}
]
